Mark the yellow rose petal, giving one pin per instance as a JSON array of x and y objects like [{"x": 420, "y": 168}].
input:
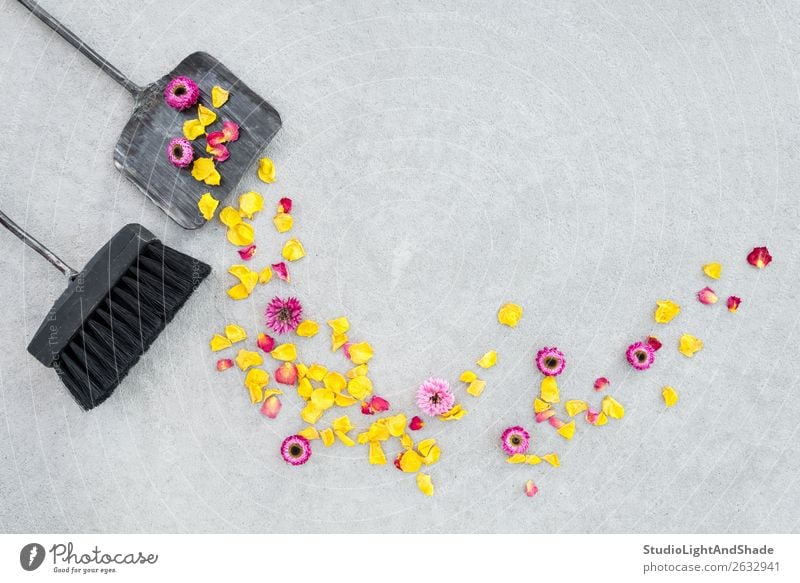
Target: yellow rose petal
[
  {"x": 266, "y": 170},
  {"x": 213, "y": 179},
  {"x": 285, "y": 352},
  {"x": 670, "y": 396},
  {"x": 327, "y": 437},
  {"x": 378, "y": 432},
  {"x": 410, "y": 461},
  {"x": 358, "y": 371},
  {"x": 310, "y": 433},
  {"x": 552, "y": 459},
  {"x": 219, "y": 342},
  {"x": 322, "y": 398},
  {"x": 424, "y": 446},
  {"x": 283, "y": 222},
  {"x": 467, "y": 376},
  {"x": 334, "y": 381},
  {"x": 376, "y": 455},
  {"x": 304, "y": 389},
  {"x": 293, "y": 250},
  {"x": 689, "y": 345},
  {"x": 229, "y": 216},
  {"x": 549, "y": 390},
  {"x": 488, "y": 360},
  {"x": 343, "y": 400},
  {"x": 406, "y": 442},
  {"x": 613, "y": 408},
  {"x": 205, "y": 116},
  {"x": 575, "y": 406},
  {"x": 219, "y": 96},
  {"x": 307, "y": 328},
  {"x": 193, "y": 129},
  {"x": 256, "y": 394},
  {"x": 396, "y": 424},
  {"x": 235, "y": 333},
  {"x": 265, "y": 275},
  {"x": 344, "y": 438},
  {"x": 567, "y": 430},
  {"x": 316, "y": 372},
  {"x": 256, "y": 377},
  {"x": 476, "y": 387},
  {"x": 337, "y": 341},
  {"x": 360, "y": 387},
  {"x": 202, "y": 168},
  {"x": 509, "y": 314},
  {"x": 247, "y": 358},
  {"x": 241, "y": 235},
  {"x": 250, "y": 203},
  {"x": 425, "y": 484},
  {"x": 360, "y": 353},
  {"x": 713, "y": 270},
  {"x": 342, "y": 424},
  {"x": 247, "y": 277},
  {"x": 310, "y": 414},
  {"x": 517, "y": 458},
  {"x": 457, "y": 412},
  {"x": 238, "y": 292},
  {"x": 532, "y": 460},
  {"x": 208, "y": 206},
  {"x": 339, "y": 325},
  {"x": 666, "y": 310},
  {"x": 539, "y": 405}
]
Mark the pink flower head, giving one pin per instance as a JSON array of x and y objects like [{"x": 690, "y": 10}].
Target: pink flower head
[
  {"x": 179, "y": 152},
  {"x": 515, "y": 440},
  {"x": 641, "y": 355},
  {"x": 284, "y": 314},
  {"x": 434, "y": 397},
  {"x": 181, "y": 93},
  {"x": 296, "y": 450},
  {"x": 550, "y": 361}
]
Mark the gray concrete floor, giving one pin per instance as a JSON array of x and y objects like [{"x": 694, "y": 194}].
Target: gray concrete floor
[{"x": 581, "y": 159}]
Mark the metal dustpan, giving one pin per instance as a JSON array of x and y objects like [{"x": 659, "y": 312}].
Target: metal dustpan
[{"x": 140, "y": 153}]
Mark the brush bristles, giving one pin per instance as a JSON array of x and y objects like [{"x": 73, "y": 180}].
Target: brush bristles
[{"x": 127, "y": 322}]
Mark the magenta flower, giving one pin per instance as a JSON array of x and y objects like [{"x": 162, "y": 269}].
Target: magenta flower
[
  {"x": 296, "y": 450},
  {"x": 179, "y": 152},
  {"x": 434, "y": 397},
  {"x": 515, "y": 440},
  {"x": 550, "y": 361},
  {"x": 284, "y": 315},
  {"x": 181, "y": 93},
  {"x": 641, "y": 355}
]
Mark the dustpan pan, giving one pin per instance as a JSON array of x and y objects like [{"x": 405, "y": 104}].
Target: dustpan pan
[{"x": 140, "y": 153}]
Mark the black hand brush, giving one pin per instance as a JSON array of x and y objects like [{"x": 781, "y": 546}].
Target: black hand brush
[{"x": 112, "y": 311}]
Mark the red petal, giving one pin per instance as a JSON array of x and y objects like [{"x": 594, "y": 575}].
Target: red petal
[
  {"x": 366, "y": 409},
  {"x": 224, "y": 364},
  {"x": 215, "y": 139},
  {"x": 416, "y": 423},
  {"x": 271, "y": 407},
  {"x": 230, "y": 130},
  {"x": 281, "y": 271},
  {"x": 379, "y": 404},
  {"x": 285, "y": 205},
  {"x": 397, "y": 461},
  {"x": 733, "y": 303},
  {"x": 286, "y": 374},
  {"x": 265, "y": 342},
  {"x": 247, "y": 253},
  {"x": 654, "y": 342},
  {"x": 601, "y": 383},
  {"x": 759, "y": 257}
]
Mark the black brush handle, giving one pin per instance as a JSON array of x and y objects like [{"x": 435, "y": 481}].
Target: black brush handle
[
  {"x": 36, "y": 246},
  {"x": 85, "y": 49}
]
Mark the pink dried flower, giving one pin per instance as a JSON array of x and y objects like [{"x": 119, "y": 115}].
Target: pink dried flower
[
  {"x": 284, "y": 314},
  {"x": 181, "y": 93},
  {"x": 296, "y": 450},
  {"x": 550, "y": 361},
  {"x": 515, "y": 440},
  {"x": 641, "y": 355},
  {"x": 434, "y": 397},
  {"x": 179, "y": 152}
]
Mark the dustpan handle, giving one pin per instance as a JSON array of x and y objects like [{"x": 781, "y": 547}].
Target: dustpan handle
[
  {"x": 85, "y": 49},
  {"x": 36, "y": 246}
]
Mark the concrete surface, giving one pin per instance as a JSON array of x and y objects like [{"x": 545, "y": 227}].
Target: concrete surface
[{"x": 582, "y": 159}]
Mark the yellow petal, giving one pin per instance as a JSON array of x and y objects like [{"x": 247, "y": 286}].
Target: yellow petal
[
  {"x": 376, "y": 455},
  {"x": 245, "y": 276},
  {"x": 205, "y": 115},
  {"x": 304, "y": 389},
  {"x": 247, "y": 358},
  {"x": 219, "y": 342},
  {"x": 283, "y": 222},
  {"x": 202, "y": 168},
  {"x": 343, "y": 400},
  {"x": 670, "y": 395},
  {"x": 256, "y": 394},
  {"x": 666, "y": 310},
  {"x": 549, "y": 390},
  {"x": 293, "y": 250},
  {"x": 316, "y": 372},
  {"x": 193, "y": 129},
  {"x": 539, "y": 405},
  {"x": 327, "y": 437},
  {"x": 357, "y": 371},
  {"x": 689, "y": 345},
  {"x": 302, "y": 370},
  {"x": 713, "y": 270},
  {"x": 396, "y": 424},
  {"x": 424, "y": 446},
  {"x": 322, "y": 398},
  {"x": 517, "y": 458},
  {"x": 405, "y": 441},
  {"x": 310, "y": 433},
  {"x": 269, "y": 392},
  {"x": 476, "y": 387},
  {"x": 339, "y": 325},
  {"x": 457, "y": 412},
  {"x": 307, "y": 328},
  {"x": 229, "y": 216},
  {"x": 467, "y": 376},
  {"x": 334, "y": 381},
  {"x": 432, "y": 456},
  {"x": 360, "y": 353},
  {"x": 241, "y": 235},
  {"x": 613, "y": 408},
  {"x": 363, "y": 437},
  {"x": 342, "y": 424},
  {"x": 425, "y": 484},
  {"x": 360, "y": 387},
  {"x": 250, "y": 203},
  {"x": 218, "y": 96},
  {"x": 488, "y": 360},
  {"x": 509, "y": 314},
  {"x": 208, "y": 206},
  {"x": 213, "y": 179},
  {"x": 575, "y": 406},
  {"x": 344, "y": 438},
  {"x": 266, "y": 170},
  {"x": 235, "y": 333},
  {"x": 310, "y": 414},
  {"x": 285, "y": 352},
  {"x": 410, "y": 461},
  {"x": 378, "y": 432},
  {"x": 532, "y": 460},
  {"x": 238, "y": 292},
  {"x": 567, "y": 430},
  {"x": 337, "y": 341},
  {"x": 602, "y": 419},
  {"x": 552, "y": 459},
  {"x": 265, "y": 275}
]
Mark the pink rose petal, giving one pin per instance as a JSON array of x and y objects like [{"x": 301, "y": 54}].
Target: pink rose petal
[
  {"x": 654, "y": 342},
  {"x": 285, "y": 205},
  {"x": 416, "y": 423},
  {"x": 733, "y": 304},
  {"x": 224, "y": 364},
  {"x": 281, "y": 271},
  {"x": 707, "y": 296},
  {"x": 601, "y": 383},
  {"x": 230, "y": 130},
  {"x": 531, "y": 489},
  {"x": 286, "y": 374},
  {"x": 271, "y": 407},
  {"x": 265, "y": 342},
  {"x": 247, "y": 253},
  {"x": 543, "y": 416},
  {"x": 759, "y": 257}
]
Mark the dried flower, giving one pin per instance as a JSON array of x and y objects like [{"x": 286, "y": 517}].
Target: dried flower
[
  {"x": 515, "y": 440},
  {"x": 641, "y": 355},
  {"x": 550, "y": 361},
  {"x": 434, "y": 397},
  {"x": 296, "y": 450},
  {"x": 181, "y": 93},
  {"x": 180, "y": 153},
  {"x": 284, "y": 314}
]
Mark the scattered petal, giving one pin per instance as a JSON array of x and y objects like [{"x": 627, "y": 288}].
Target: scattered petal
[
  {"x": 416, "y": 423},
  {"x": 235, "y": 333},
  {"x": 247, "y": 358},
  {"x": 247, "y": 253},
  {"x": 517, "y": 458},
  {"x": 304, "y": 389},
  {"x": 343, "y": 400},
  {"x": 246, "y": 276},
  {"x": 532, "y": 460},
  {"x": 215, "y": 139},
  {"x": 230, "y": 130},
  {"x": 281, "y": 271},
  {"x": 310, "y": 433},
  {"x": 509, "y": 315},
  {"x": 759, "y": 257},
  {"x": 543, "y": 416},
  {"x": 286, "y": 374},
  {"x": 250, "y": 203},
  {"x": 265, "y": 275},
  {"x": 713, "y": 270},
  {"x": 409, "y": 461},
  {"x": 256, "y": 393},
  {"x": 307, "y": 328},
  {"x": 334, "y": 381},
  {"x": 205, "y": 115},
  {"x": 208, "y": 206},
  {"x": 339, "y": 325},
  {"x": 238, "y": 292},
  {"x": 707, "y": 296},
  {"x": 241, "y": 235},
  {"x": 213, "y": 179},
  {"x": 567, "y": 430},
  {"x": 539, "y": 405},
  {"x": 317, "y": 372},
  {"x": 601, "y": 383},
  {"x": 670, "y": 396},
  {"x": 293, "y": 250},
  {"x": 360, "y": 387},
  {"x": 613, "y": 408},
  {"x": 311, "y": 414},
  {"x": 193, "y": 129},
  {"x": 224, "y": 364},
  {"x": 337, "y": 341},
  {"x": 689, "y": 345},
  {"x": 283, "y": 222},
  {"x": 219, "y": 342},
  {"x": 378, "y": 404},
  {"x": 666, "y": 310},
  {"x": 549, "y": 390},
  {"x": 202, "y": 168},
  {"x": 531, "y": 489},
  {"x": 454, "y": 414},
  {"x": 286, "y": 352},
  {"x": 376, "y": 455},
  {"x": 229, "y": 217},
  {"x": 575, "y": 406},
  {"x": 219, "y": 96},
  {"x": 552, "y": 459},
  {"x": 360, "y": 353},
  {"x": 476, "y": 387},
  {"x": 654, "y": 343},
  {"x": 265, "y": 342},
  {"x": 425, "y": 484},
  {"x": 271, "y": 407},
  {"x": 467, "y": 376},
  {"x": 219, "y": 152},
  {"x": 733, "y": 304},
  {"x": 396, "y": 424},
  {"x": 327, "y": 437},
  {"x": 266, "y": 170},
  {"x": 488, "y": 360},
  {"x": 285, "y": 205}
]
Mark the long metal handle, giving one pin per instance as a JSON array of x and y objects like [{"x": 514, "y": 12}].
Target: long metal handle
[
  {"x": 76, "y": 42},
  {"x": 36, "y": 246}
]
